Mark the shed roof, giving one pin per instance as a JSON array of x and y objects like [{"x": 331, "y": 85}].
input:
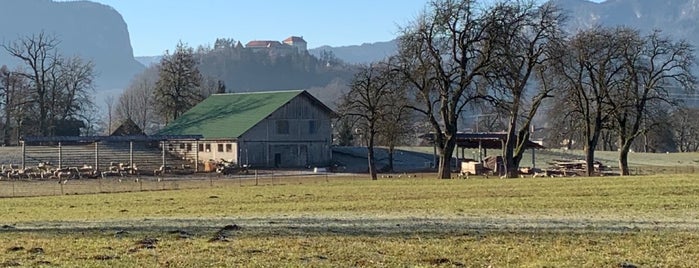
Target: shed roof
[
  {"x": 489, "y": 140},
  {"x": 127, "y": 127},
  {"x": 230, "y": 115}
]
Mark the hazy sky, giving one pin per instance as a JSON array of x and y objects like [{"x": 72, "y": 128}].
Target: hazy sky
[{"x": 157, "y": 25}]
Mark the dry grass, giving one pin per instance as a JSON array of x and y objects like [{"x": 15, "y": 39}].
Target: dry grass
[{"x": 579, "y": 222}]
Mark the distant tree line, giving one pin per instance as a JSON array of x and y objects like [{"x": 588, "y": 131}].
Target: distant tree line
[{"x": 597, "y": 88}]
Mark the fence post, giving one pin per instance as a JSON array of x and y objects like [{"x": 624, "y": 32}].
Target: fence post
[
  {"x": 131, "y": 164},
  {"x": 162, "y": 144},
  {"x": 60, "y": 156},
  {"x": 97, "y": 157},
  {"x": 196, "y": 155},
  {"x": 24, "y": 154}
]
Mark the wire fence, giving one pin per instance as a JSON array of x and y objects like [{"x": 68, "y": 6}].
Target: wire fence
[
  {"x": 51, "y": 187},
  {"x": 659, "y": 170}
]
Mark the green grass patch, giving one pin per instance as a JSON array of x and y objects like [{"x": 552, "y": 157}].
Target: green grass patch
[{"x": 645, "y": 221}]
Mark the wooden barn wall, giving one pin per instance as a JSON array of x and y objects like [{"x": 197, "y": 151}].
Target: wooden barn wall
[{"x": 303, "y": 141}]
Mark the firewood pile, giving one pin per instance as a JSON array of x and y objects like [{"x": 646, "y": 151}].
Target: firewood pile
[{"x": 570, "y": 168}]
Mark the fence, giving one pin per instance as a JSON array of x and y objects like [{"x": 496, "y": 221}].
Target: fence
[
  {"x": 655, "y": 170},
  {"x": 36, "y": 187},
  {"x": 99, "y": 154}
]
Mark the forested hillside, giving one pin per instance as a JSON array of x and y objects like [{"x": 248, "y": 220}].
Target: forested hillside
[{"x": 244, "y": 69}]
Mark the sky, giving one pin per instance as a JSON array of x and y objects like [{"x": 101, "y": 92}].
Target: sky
[{"x": 158, "y": 25}]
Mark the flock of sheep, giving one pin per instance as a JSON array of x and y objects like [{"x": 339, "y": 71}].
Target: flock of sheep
[{"x": 46, "y": 170}]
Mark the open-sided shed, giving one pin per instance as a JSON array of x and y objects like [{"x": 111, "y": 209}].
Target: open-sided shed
[{"x": 481, "y": 141}]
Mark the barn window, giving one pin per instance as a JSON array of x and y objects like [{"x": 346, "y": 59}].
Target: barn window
[
  {"x": 282, "y": 127},
  {"x": 208, "y": 147},
  {"x": 189, "y": 147},
  {"x": 312, "y": 128},
  {"x": 201, "y": 147},
  {"x": 229, "y": 148},
  {"x": 220, "y": 148}
]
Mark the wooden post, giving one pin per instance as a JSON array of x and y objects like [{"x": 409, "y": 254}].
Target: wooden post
[
  {"x": 196, "y": 155},
  {"x": 97, "y": 157},
  {"x": 60, "y": 156},
  {"x": 131, "y": 157},
  {"x": 163, "y": 145},
  {"x": 24, "y": 154}
]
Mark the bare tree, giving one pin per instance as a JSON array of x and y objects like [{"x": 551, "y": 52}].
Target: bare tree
[
  {"x": 15, "y": 97},
  {"x": 367, "y": 103},
  {"x": 177, "y": 88},
  {"x": 136, "y": 102},
  {"x": 109, "y": 101},
  {"x": 685, "y": 126},
  {"x": 523, "y": 35},
  {"x": 39, "y": 53},
  {"x": 653, "y": 65},
  {"x": 587, "y": 69},
  {"x": 394, "y": 128},
  {"x": 60, "y": 88},
  {"x": 444, "y": 55}
]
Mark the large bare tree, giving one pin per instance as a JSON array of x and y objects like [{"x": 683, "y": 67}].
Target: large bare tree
[
  {"x": 60, "y": 88},
  {"x": 654, "y": 66},
  {"x": 39, "y": 53},
  {"x": 523, "y": 36},
  {"x": 444, "y": 54},
  {"x": 587, "y": 69}
]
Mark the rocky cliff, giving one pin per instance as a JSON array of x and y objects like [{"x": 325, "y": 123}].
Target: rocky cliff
[{"x": 90, "y": 30}]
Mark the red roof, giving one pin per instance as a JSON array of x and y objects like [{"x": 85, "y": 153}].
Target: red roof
[
  {"x": 263, "y": 43},
  {"x": 295, "y": 39}
]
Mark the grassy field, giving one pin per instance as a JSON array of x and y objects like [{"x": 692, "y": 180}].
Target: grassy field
[{"x": 649, "y": 221}]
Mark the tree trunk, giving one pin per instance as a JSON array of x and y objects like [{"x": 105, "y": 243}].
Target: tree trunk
[
  {"x": 444, "y": 171},
  {"x": 509, "y": 150},
  {"x": 589, "y": 161},
  {"x": 624, "y": 161},
  {"x": 370, "y": 156}
]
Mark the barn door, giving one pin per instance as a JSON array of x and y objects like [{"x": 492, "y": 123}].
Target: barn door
[
  {"x": 303, "y": 155},
  {"x": 277, "y": 160}
]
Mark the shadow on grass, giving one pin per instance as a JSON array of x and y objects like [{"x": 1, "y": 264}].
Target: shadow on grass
[{"x": 399, "y": 227}]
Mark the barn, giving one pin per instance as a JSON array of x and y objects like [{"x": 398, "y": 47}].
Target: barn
[{"x": 280, "y": 129}]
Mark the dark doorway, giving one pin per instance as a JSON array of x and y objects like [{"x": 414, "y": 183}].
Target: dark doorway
[{"x": 277, "y": 159}]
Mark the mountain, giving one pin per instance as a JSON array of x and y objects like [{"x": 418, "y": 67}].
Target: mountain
[
  {"x": 90, "y": 30},
  {"x": 677, "y": 18},
  {"x": 148, "y": 60},
  {"x": 364, "y": 53}
]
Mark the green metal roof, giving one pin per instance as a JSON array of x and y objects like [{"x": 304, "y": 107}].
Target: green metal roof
[{"x": 225, "y": 116}]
